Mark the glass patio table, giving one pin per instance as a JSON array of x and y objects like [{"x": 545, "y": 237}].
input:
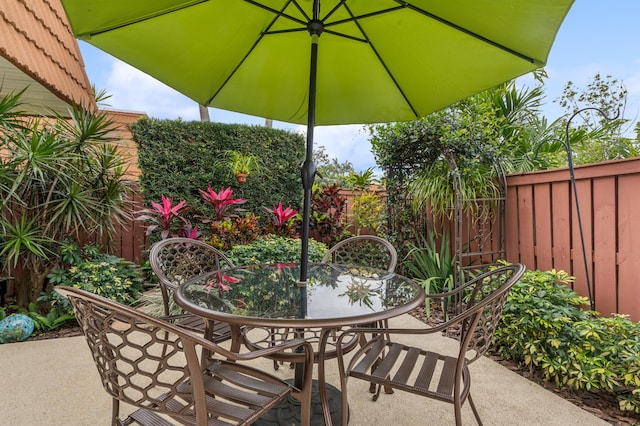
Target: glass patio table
[{"x": 261, "y": 303}]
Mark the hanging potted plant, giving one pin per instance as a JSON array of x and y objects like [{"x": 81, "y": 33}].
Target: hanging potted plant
[{"x": 242, "y": 164}]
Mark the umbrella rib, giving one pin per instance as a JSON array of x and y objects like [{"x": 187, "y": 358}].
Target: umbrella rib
[
  {"x": 139, "y": 20},
  {"x": 280, "y": 13},
  {"x": 469, "y": 32},
  {"x": 277, "y": 14},
  {"x": 332, "y": 11},
  {"x": 363, "y": 16},
  {"x": 382, "y": 62}
]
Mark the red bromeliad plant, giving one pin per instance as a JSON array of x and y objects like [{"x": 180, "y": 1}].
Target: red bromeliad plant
[
  {"x": 162, "y": 215},
  {"x": 282, "y": 220},
  {"x": 221, "y": 201},
  {"x": 222, "y": 282},
  {"x": 191, "y": 232}
]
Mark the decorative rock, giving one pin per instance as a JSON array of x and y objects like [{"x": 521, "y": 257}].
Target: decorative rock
[{"x": 15, "y": 328}]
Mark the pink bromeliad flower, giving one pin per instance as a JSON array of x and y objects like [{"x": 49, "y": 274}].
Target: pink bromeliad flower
[
  {"x": 222, "y": 282},
  {"x": 162, "y": 215},
  {"x": 191, "y": 232},
  {"x": 281, "y": 216},
  {"x": 220, "y": 201},
  {"x": 285, "y": 266}
]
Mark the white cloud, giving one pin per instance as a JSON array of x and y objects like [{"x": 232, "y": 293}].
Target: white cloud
[
  {"x": 345, "y": 143},
  {"x": 133, "y": 90}
]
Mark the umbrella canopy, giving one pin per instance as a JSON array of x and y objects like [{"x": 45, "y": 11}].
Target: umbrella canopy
[
  {"x": 378, "y": 60},
  {"x": 329, "y": 62}
]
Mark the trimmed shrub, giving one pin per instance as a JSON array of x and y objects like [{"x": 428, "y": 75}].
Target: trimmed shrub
[
  {"x": 274, "y": 249},
  {"x": 545, "y": 327}
]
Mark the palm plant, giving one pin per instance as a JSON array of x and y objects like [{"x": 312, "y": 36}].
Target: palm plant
[
  {"x": 361, "y": 180},
  {"x": 58, "y": 178}
]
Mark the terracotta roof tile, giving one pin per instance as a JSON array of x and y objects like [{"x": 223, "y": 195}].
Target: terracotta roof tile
[{"x": 36, "y": 40}]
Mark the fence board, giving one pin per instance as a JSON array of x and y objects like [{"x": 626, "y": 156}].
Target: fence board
[
  {"x": 604, "y": 244},
  {"x": 525, "y": 220},
  {"x": 542, "y": 227},
  {"x": 629, "y": 246},
  {"x": 513, "y": 251},
  {"x": 561, "y": 224}
]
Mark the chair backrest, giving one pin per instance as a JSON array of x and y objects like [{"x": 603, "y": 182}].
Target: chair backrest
[
  {"x": 177, "y": 260},
  {"x": 142, "y": 361},
  {"x": 483, "y": 299},
  {"x": 364, "y": 250}
]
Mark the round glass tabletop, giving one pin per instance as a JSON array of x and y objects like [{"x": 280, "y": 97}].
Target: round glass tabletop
[{"x": 334, "y": 292}]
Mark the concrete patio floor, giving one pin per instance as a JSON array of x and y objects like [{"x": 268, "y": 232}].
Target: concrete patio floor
[{"x": 54, "y": 382}]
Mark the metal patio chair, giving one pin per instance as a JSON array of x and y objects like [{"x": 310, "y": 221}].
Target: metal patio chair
[
  {"x": 427, "y": 373},
  {"x": 177, "y": 260},
  {"x": 364, "y": 250},
  {"x": 153, "y": 365}
]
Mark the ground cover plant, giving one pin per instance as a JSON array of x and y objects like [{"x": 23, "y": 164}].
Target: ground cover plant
[{"x": 545, "y": 326}]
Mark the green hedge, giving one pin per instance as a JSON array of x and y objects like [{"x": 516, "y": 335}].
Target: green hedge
[{"x": 176, "y": 158}]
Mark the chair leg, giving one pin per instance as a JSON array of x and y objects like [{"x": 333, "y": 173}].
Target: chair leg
[
  {"x": 473, "y": 408},
  {"x": 276, "y": 365},
  {"x": 115, "y": 412}
]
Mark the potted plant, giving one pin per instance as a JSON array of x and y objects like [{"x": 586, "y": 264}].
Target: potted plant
[{"x": 242, "y": 164}]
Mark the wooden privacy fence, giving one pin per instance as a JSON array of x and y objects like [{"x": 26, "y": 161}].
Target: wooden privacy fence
[{"x": 543, "y": 233}]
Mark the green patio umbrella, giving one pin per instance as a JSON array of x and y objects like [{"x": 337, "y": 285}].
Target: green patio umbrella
[{"x": 324, "y": 62}]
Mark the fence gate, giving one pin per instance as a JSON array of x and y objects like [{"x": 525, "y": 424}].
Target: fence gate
[{"x": 479, "y": 233}]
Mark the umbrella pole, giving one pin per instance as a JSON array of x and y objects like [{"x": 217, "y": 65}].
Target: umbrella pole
[
  {"x": 308, "y": 171},
  {"x": 308, "y": 175}
]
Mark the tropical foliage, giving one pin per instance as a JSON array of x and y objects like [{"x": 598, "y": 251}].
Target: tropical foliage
[
  {"x": 241, "y": 163},
  {"x": 177, "y": 158},
  {"x": 283, "y": 220},
  {"x": 58, "y": 177}
]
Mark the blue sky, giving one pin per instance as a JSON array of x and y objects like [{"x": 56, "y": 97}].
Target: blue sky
[{"x": 596, "y": 37}]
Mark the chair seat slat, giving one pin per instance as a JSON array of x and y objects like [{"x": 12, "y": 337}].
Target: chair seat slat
[
  {"x": 374, "y": 353},
  {"x": 388, "y": 361},
  {"x": 407, "y": 366}
]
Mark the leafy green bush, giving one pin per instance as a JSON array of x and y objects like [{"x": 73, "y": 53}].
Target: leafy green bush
[
  {"x": 108, "y": 276},
  {"x": 544, "y": 327},
  {"x": 51, "y": 312},
  {"x": 368, "y": 212},
  {"x": 274, "y": 249}
]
